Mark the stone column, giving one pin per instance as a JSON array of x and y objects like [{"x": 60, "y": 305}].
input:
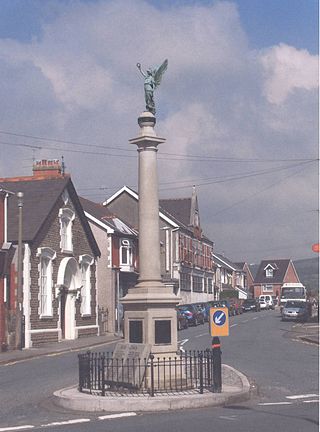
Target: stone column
[{"x": 150, "y": 315}]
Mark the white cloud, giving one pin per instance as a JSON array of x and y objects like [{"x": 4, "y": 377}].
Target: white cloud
[
  {"x": 288, "y": 69},
  {"x": 78, "y": 81}
]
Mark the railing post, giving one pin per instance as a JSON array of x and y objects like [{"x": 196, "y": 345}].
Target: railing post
[
  {"x": 201, "y": 372},
  {"x": 152, "y": 374},
  {"x": 103, "y": 390}
]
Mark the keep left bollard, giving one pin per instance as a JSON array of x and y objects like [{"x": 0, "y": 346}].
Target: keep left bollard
[{"x": 217, "y": 370}]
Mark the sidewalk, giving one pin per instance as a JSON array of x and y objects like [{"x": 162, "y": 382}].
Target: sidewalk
[
  {"x": 57, "y": 347},
  {"x": 308, "y": 332}
]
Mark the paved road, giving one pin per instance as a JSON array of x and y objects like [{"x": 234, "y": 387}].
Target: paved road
[{"x": 260, "y": 345}]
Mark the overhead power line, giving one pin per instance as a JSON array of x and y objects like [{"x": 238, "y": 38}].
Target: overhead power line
[
  {"x": 174, "y": 156},
  {"x": 260, "y": 191},
  {"x": 238, "y": 176}
]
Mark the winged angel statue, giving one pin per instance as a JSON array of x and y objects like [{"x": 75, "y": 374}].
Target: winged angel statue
[{"x": 152, "y": 80}]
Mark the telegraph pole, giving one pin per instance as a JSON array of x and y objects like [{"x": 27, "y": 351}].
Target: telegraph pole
[{"x": 19, "y": 299}]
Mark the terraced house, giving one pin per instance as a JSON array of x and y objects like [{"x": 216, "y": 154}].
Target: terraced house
[{"x": 185, "y": 252}]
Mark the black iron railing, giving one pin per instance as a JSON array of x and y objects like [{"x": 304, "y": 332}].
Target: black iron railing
[{"x": 100, "y": 373}]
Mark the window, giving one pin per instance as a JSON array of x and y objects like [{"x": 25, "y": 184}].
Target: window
[
  {"x": 269, "y": 272},
  {"x": 267, "y": 288},
  {"x": 85, "y": 263},
  {"x": 205, "y": 281},
  {"x": 66, "y": 216},
  {"x": 126, "y": 255},
  {"x": 46, "y": 255},
  {"x": 185, "y": 282},
  {"x": 197, "y": 283},
  {"x": 210, "y": 286}
]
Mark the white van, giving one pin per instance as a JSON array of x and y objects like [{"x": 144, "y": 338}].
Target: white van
[{"x": 268, "y": 299}]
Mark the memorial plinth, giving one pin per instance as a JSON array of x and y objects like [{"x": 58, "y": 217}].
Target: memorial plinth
[{"x": 150, "y": 315}]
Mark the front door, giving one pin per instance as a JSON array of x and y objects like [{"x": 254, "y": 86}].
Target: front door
[
  {"x": 69, "y": 280},
  {"x": 63, "y": 314}
]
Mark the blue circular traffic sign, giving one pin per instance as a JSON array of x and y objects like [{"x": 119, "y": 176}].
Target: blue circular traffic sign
[{"x": 219, "y": 318}]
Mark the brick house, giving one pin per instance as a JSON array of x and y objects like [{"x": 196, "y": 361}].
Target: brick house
[
  {"x": 59, "y": 257},
  {"x": 185, "y": 252},
  {"x": 117, "y": 268},
  {"x": 272, "y": 274}
]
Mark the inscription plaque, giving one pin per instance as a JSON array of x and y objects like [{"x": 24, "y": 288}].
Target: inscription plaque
[
  {"x": 128, "y": 365},
  {"x": 135, "y": 331},
  {"x": 162, "y": 332}
]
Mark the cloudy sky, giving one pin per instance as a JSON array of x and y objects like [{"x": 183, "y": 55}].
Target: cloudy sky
[{"x": 238, "y": 106}]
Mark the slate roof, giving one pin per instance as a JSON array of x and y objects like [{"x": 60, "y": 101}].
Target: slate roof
[
  {"x": 225, "y": 262},
  {"x": 279, "y": 273},
  {"x": 179, "y": 208},
  {"x": 103, "y": 214},
  {"x": 40, "y": 197},
  {"x": 170, "y": 208}
]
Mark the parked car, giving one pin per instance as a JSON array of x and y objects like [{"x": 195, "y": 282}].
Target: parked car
[
  {"x": 195, "y": 316},
  {"x": 268, "y": 299},
  {"x": 182, "y": 320},
  {"x": 223, "y": 303},
  {"x": 205, "y": 309},
  {"x": 249, "y": 305},
  {"x": 263, "y": 304},
  {"x": 295, "y": 310}
]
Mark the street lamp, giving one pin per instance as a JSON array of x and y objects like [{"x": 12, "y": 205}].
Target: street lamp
[{"x": 19, "y": 309}]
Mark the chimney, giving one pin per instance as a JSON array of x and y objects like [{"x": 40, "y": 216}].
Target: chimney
[{"x": 47, "y": 168}]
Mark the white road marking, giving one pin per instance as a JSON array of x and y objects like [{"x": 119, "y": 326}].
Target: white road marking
[
  {"x": 14, "y": 428},
  {"x": 254, "y": 318},
  {"x": 181, "y": 344},
  {"x": 274, "y": 403},
  {"x": 74, "y": 421},
  {"x": 233, "y": 418},
  {"x": 233, "y": 325},
  {"x": 245, "y": 321},
  {"x": 202, "y": 334},
  {"x": 311, "y": 401},
  {"x": 303, "y": 396},
  {"x": 113, "y": 416}
]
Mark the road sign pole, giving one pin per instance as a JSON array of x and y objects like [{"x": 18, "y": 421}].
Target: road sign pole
[{"x": 216, "y": 364}]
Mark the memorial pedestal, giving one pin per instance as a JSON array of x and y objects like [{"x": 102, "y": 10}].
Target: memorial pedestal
[{"x": 150, "y": 316}]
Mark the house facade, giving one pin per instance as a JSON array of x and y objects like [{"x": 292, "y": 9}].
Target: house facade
[
  {"x": 117, "y": 268},
  {"x": 185, "y": 253},
  {"x": 59, "y": 257},
  {"x": 233, "y": 276},
  {"x": 272, "y": 274}
]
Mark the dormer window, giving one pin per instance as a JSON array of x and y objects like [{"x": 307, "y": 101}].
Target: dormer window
[
  {"x": 126, "y": 255},
  {"x": 269, "y": 270},
  {"x": 66, "y": 217}
]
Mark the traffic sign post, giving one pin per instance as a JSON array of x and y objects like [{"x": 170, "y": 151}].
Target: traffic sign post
[
  {"x": 219, "y": 326},
  {"x": 216, "y": 362}
]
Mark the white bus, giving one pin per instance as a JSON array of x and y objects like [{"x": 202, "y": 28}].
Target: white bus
[{"x": 292, "y": 291}]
